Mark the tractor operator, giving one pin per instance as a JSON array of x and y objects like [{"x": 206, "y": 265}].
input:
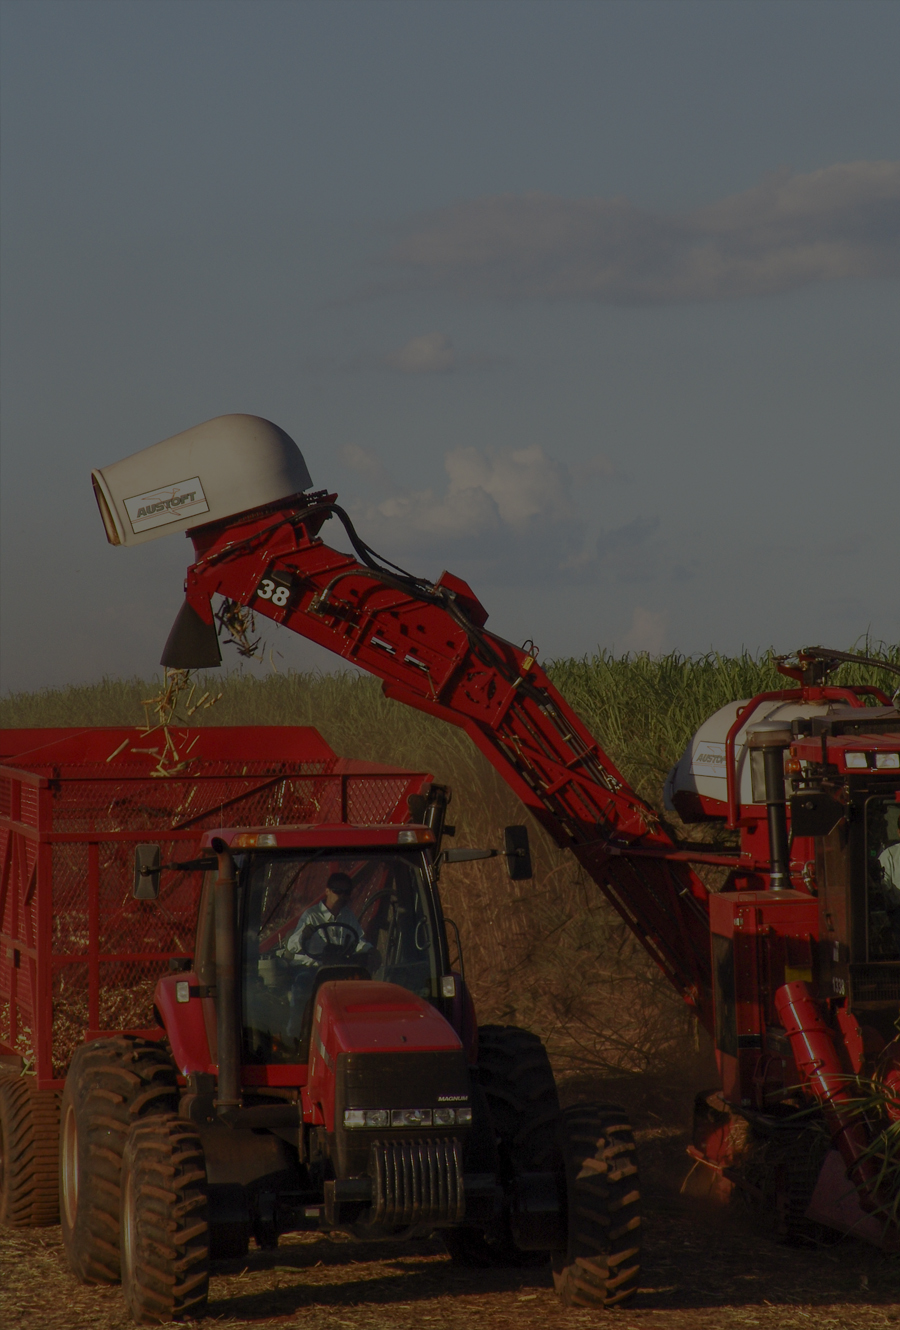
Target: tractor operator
[
  {"x": 326, "y": 933},
  {"x": 327, "y": 925},
  {"x": 889, "y": 851}
]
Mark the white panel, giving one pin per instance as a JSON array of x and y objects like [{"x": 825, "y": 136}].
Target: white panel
[{"x": 225, "y": 466}]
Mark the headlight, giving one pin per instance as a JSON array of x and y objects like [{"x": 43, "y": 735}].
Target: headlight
[
  {"x": 887, "y": 761},
  {"x": 366, "y": 1117},
  {"x": 411, "y": 1117},
  {"x": 355, "y": 1118},
  {"x": 250, "y": 840}
]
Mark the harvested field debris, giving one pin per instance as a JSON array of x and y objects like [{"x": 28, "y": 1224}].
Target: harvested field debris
[{"x": 702, "y": 1271}]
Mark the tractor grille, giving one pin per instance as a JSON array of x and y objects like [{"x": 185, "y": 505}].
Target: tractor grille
[
  {"x": 875, "y": 983},
  {"x": 417, "y": 1182}
]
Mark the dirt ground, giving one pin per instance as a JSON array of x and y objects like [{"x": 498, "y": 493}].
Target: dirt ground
[{"x": 701, "y": 1270}]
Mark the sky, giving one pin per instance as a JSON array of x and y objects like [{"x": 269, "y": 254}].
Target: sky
[{"x": 593, "y": 303}]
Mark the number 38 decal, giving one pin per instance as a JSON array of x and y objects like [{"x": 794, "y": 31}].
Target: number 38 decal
[{"x": 269, "y": 590}]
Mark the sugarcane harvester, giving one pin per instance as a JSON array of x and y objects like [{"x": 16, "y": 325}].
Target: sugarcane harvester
[{"x": 793, "y": 966}]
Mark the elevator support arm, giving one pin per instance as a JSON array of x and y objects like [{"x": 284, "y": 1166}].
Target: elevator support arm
[{"x": 427, "y": 643}]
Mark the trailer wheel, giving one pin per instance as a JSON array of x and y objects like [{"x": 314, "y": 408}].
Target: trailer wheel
[
  {"x": 517, "y": 1079},
  {"x": 164, "y": 1222},
  {"x": 29, "y": 1153},
  {"x": 111, "y": 1083},
  {"x": 601, "y": 1263}
]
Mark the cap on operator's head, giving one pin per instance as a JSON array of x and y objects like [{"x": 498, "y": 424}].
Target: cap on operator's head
[{"x": 340, "y": 884}]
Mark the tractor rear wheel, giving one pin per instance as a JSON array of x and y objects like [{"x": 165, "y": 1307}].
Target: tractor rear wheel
[
  {"x": 164, "y": 1222},
  {"x": 29, "y": 1153},
  {"x": 111, "y": 1084},
  {"x": 515, "y": 1074},
  {"x": 601, "y": 1263}
]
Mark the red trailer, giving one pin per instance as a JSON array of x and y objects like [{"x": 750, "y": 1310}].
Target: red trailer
[{"x": 79, "y": 956}]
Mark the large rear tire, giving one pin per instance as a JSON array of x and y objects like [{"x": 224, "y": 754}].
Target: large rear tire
[
  {"x": 29, "y": 1153},
  {"x": 111, "y": 1084},
  {"x": 601, "y": 1263},
  {"x": 164, "y": 1221},
  {"x": 517, "y": 1079}
]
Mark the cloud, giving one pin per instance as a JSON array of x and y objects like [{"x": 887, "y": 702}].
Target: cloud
[
  {"x": 790, "y": 230},
  {"x": 597, "y": 467},
  {"x": 365, "y": 464},
  {"x": 511, "y": 513},
  {"x": 647, "y": 631},
  {"x": 431, "y": 353},
  {"x": 517, "y": 489}
]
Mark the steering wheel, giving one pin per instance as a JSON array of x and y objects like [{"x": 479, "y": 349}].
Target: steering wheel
[{"x": 332, "y": 951}]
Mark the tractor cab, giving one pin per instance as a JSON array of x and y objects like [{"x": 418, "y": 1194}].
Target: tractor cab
[{"x": 311, "y": 914}]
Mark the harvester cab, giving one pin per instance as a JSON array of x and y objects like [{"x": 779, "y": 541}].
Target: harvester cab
[{"x": 805, "y": 939}]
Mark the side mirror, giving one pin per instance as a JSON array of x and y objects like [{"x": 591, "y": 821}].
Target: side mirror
[
  {"x": 460, "y": 855},
  {"x": 146, "y": 873},
  {"x": 518, "y": 854},
  {"x": 814, "y": 813}
]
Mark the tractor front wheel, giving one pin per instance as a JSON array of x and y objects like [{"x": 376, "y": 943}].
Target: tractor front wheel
[
  {"x": 601, "y": 1262},
  {"x": 164, "y": 1222}
]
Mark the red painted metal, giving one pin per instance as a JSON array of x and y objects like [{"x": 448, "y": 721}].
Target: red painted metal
[
  {"x": 744, "y": 714},
  {"x": 275, "y": 1074},
  {"x": 819, "y": 1063},
  {"x": 836, "y": 749},
  {"x": 184, "y": 1023},
  {"x": 351, "y": 1017},
  {"x": 77, "y": 953}
]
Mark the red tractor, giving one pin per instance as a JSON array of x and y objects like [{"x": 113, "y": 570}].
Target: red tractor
[{"x": 276, "y": 1036}]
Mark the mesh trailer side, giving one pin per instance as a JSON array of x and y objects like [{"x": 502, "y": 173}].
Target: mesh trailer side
[{"x": 78, "y": 954}]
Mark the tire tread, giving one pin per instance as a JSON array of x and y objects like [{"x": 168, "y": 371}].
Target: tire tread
[
  {"x": 29, "y": 1151},
  {"x": 169, "y": 1276},
  {"x": 603, "y": 1206},
  {"x": 111, "y": 1082}
]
